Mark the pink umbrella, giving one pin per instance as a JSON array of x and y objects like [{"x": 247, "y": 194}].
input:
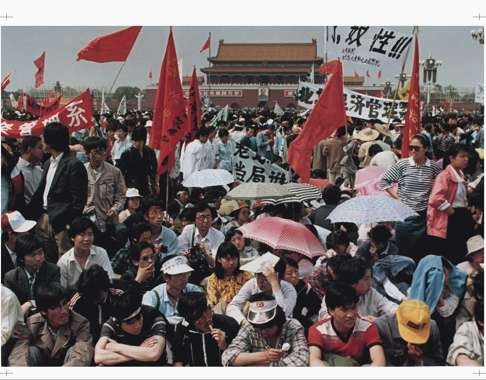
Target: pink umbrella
[
  {"x": 285, "y": 234},
  {"x": 368, "y": 180}
]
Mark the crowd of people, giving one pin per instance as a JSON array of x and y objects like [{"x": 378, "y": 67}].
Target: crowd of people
[{"x": 106, "y": 263}]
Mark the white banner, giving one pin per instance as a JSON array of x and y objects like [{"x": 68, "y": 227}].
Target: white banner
[
  {"x": 479, "y": 93},
  {"x": 371, "y": 46},
  {"x": 356, "y": 104},
  {"x": 251, "y": 167}
]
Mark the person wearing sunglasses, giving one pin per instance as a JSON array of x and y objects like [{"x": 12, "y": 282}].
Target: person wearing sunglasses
[{"x": 56, "y": 336}]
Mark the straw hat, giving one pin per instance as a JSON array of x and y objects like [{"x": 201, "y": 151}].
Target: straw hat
[
  {"x": 367, "y": 134},
  {"x": 383, "y": 129}
]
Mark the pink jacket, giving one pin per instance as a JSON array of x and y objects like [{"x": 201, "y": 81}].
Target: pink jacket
[{"x": 441, "y": 198}]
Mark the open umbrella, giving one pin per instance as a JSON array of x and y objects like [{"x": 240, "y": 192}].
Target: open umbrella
[
  {"x": 209, "y": 177},
  {"x": 371, "y": 209},
  {"x": 299, "y": 192},
  {"x": 285, "y": 234},
  {"x": 258, "y": 190}
]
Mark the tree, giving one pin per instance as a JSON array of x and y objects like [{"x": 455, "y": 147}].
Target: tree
[{"x": 127, "y": 91}]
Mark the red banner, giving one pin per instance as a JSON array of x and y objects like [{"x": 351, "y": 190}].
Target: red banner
[
  {"x": 76, "y": 115},
  {"x": 40, "y": 110},
  {"x": 6, "y": 81},
  {"x": 40, "y": 64},
  {"x": 194, "y": 116}
]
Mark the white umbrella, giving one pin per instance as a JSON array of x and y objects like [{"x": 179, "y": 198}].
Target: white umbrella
[
  {"x": 300, "y": 192},
  {"x": 371, "y": 209},
  {"x": 209, "y": 177},
  {"x": 258, "y": 190}
]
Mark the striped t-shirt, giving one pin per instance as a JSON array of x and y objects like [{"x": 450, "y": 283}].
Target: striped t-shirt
[{"x": 414, "y": 181}]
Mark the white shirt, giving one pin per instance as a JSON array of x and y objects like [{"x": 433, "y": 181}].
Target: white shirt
[
  {"x": 211, "y": 241},
  {"x": 11, "y": 313},
  {"x": 461, "y": 194},
  {"x": 119, "y": 147},
  {"x": 51, "y": 172},
  {"x": 196, "y": 157},
  {"x": 71, "y": 270}
]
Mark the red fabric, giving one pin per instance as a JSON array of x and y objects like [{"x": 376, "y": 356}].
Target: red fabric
[
  {"x": 327, "y": 115},
  {"x": 6, "y": 81},
  {"x": 412, "y": 117},
  {"x": 39, "y": 75},
  {"x": 368, "y": 74},
  {"x": 206, "y": 45},
  {"x": 379, "y": 74},
  {"x": 39, "y": 110},
  {"x": 194, "y": 115},
  {"x": 364, "y": 336},
  {"x": 169, "y": 121},
  {"x": 75, "y": 115},
  {"x": 20, "y": 102},
  {"x": 114, "y": 47}
]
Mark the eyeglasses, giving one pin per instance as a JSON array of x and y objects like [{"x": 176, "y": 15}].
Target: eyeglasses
[
  {"x": 204, "y": 217},
  {"x": 415, "y": 148}
]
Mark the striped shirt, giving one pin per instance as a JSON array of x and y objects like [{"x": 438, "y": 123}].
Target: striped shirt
[{"x": 414, "y": 181}]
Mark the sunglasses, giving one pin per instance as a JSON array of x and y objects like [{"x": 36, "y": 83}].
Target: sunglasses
[{"x": 415, "y": 148}]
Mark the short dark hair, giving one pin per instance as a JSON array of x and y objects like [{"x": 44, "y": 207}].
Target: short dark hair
[
  {"x": 341, "y": 132},
  {"x": 352, "y": 270},
  {"x": 125, "y": 304},
  {"x": 340, "y": 294},
  {"x": 25, "y": 245},
  {"x": 117, "y": 125},
  {"x": 291, "y": 263},
  {"x": 79, "y": 225},
  {"x": 457, "y": 148},
  {"x": 223, "y": 133},
  {"x": 280, "y": 268},
  {"x": 49, "y": 295},
  {"x": 94, "y": 142},
  {"x": 380, "y": 233},
  {"x": 374, "y": 149},
  {"x": 335, "y": 262},
  {"x": 331, "y": 195},
  {"x": 29, "y": 142},
  {"x": 139, "y": 134},
  {"x": 232, "y": 232},
  {"x": 424, "y": 141},
  {"x": 187, "y": 213},
  {"x": 56, "y": 135},
  {"x": 337, "y": 237},
  {"x": 137, "y": 248},
  {"x": 151, "y": 202},
  {"x": 203, "y": 131},
  {"x": 137, "y": 229},
  {"x": 192, "y": 305},
  {"x": 92, "y": 281},
  {"x": 201, "y": 206},
  {"x": 225, "y": 249}
]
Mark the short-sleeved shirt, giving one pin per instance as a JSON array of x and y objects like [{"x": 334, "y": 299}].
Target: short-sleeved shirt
[
  {"x": 154, "y": 324},
  {"x": 365, "y": 335}
]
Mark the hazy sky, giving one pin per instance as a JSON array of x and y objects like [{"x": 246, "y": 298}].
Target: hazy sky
[{"x": 462, "y": 57}]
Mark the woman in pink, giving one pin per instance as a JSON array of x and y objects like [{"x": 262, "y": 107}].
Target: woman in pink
[{"x": 449, "y": 221}]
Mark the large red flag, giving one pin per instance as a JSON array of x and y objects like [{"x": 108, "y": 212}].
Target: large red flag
[
  {"x": 6, "y": 81},
  {"x": 169, "y": 121},
  {"x": 327, "y": 115},
  {"x": 39, "y": 75},
  {"x": 113, "y": 47},
  {"x": 206, "y": 45},
  {"x": 41, "y": 109},
  {"x": 194, "y": 115},
  {"x": 412, "y": 117}
]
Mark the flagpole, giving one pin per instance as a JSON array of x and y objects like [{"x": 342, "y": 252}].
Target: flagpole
[
  {"x": 209, "y": 72},
  {"x": 117, "y": 75},
  {"x": 325, "y": 52}
]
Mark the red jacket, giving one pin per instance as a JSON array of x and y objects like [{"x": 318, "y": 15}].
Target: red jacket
[{"x": 441, "y": 198}]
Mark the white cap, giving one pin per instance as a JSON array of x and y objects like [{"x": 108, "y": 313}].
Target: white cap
[
  {"x": 148, "y": 124},
  {"x": 269, "y": 121},
  {"x": 176, "y": 265},
  {"x": 262, "y": 312},
  {"x": 132, "y": 193},
  {"x": 474, "y": 244},
  {"x": 17, "y": 222}
]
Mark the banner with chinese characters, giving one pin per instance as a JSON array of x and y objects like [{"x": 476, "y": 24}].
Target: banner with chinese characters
[
  {"x": 76, "y": 115},
  {"x": 357, "y": 105},
  {"x": 371, "y": 46},
  {"x": 251, "y": 167}
]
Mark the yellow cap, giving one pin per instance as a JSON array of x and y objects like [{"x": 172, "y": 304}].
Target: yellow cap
[{"x": 413, "y": 317}]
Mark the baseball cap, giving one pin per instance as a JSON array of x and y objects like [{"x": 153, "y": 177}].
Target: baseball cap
[
  {"x": 262, "y": 312},
  {"x": 176, "y": 265},
  {"x": 413, "y": 317},
  {"x": 17, "y": 222}
]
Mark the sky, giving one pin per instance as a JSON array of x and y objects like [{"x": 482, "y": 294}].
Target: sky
[{"x": 462, "y": 57}]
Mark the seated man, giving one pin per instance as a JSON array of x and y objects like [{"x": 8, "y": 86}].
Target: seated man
[
  {"x": 343, "y": 338},
  {"x": 410, "y": 337},
  {"x": 133, "y": 336},
  {"x": 55, "y": 336},
  {"x": 269, "y": 339},
  {"x": 371, "y": 304},
  {"x": 203, "y": 335}
]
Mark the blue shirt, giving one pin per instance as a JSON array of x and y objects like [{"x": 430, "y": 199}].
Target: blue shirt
[
  {"x": 158, "y": 298},
  {"x": 168, "y": 238}
]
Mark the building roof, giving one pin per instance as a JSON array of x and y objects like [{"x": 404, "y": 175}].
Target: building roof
[
  {"x": 256, "y": 69},
  {"x": 251, "y": 52}
]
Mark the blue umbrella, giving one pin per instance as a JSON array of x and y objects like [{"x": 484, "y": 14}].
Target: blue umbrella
[{"x": 371, "y": 209}]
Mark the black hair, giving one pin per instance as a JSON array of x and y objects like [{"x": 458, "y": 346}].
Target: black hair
[
  {"x": 49, "y": 295},
  {"x": 151, "y": 202},
  {"x": 139, "y": 134},
  {"x": 331, "y": 195},
  {"x": 223, "y": 133},
  {"x": 478, "y": 285},
  {"x": 335, "y": 262},
  {"x": 291, "y": 262},
  {"x": 203, "y": 131},
  {"x": 137, "y": 248},
  {"x": 337, "y": 237},
  {"x": 56, "y": 135},
  {"x": 125, "y": 304},
  {"x": 279, "y": 318},
  {"x": 232, "y": 232},
  {"x": 192, "y": 305},
  {"x": 94, "y": 142},
  {"x": 280, "y": 268},
  {"x": 173, "y": 209},
  {"x": 137, "y": 229},
  {"x": 226, "y": 249},
  {"x": 352, "y": 270},
  {"x": 117, "y": 125},
  {"x": 341, "y": 132},
  {"x": 424, "y": 141},
  {"x": 479, "y": 311},
  {"x": 457, "y": 148},
  {"x": 187, "y": 213},
  {"x": 29, "y": 142},
  {"x": 380, "y": 233},
  {"x": 201, "y": 206},
  {"x": 79, "y": 225},
  {"x": 340, "y": 294},
  {"x": 92, "y": 281},
  {"x": 26, "y": 245},
  {"x": 374, "y": 149}
]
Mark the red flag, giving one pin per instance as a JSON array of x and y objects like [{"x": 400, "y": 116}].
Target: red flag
[
  {"x": 206, "y": 45},
  {"x": 327, "y": 115},
  {"x": 169, "y": 121},
  {"x": 194, "y": 115},
  {"x": 412, "y": 117},
  {"x": 39, "y": 75},
  {"x": 368, "y": 74},
  {"x": 42, "y": 109},
  {"x": 76, "y": 115},
  {"x": 114, "y": 47},
  {"x": 6, "y": 81},
  {"x": 356, "y": 75},
  {"x": 20, "y": 102},
  {"x": 379, "y": 74}
]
